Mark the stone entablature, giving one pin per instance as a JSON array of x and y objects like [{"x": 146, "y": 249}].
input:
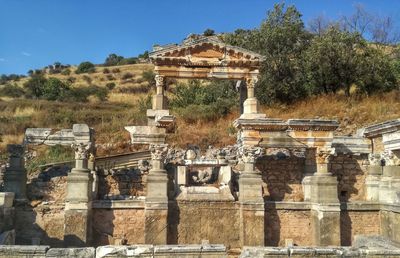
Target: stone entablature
[{"x": 380, "y": 129}]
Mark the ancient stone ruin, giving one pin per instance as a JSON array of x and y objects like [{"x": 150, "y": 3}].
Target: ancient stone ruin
[{"x": 287, "y": 188}]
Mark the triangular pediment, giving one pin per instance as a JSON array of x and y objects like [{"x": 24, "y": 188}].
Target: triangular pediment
[{"x": 206, "y": 51}]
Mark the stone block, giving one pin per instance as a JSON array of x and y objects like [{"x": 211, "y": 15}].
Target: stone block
[
  {"x": 324, "y": 189},
  {"x": 36, "y": 251},
  {"x": 393, "y": 171},
  {"x": 77, "y": 229},
  {"x": 6, "y": 199},
  {"x": 145, "y": 251},
  {"x": 372, "y": 188},
  {"x": 325, "y": 225},
  {"x": 146, "y": 134},
  {"x": 224, "y": 175},
  {"x": 87, "y": 252},
  {"x": 156, "y": 224},
  {"x": 375, "y": 170},
  {"x": 181, "y": 175},
  {"x": 250, "y": 187}
]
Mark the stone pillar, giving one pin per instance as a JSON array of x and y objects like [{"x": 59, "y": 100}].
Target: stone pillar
[
  {"x": 373, "y": 177},
  {"x": 250, "y": 105},
  {"x": 15, "y": 175},
  {"x": 156, "y": 207},
  {"x": 159, "y": 100},
  {"x": 389, "y": 187},
  {"x": 251, "y": 199},
  {"x": 325, "y": 208},
  {"x": 77, "y": 230}
]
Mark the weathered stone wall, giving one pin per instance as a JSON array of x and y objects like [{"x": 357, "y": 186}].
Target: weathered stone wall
[
  {"x": 41, "y": 220},
  {"x": 287, "y": 224},
  {"x": 390, "y": 224},
  {"x": 118, "y": 226},
  {"x": 350, "y": 172},
  {"x": 120, "y": 184},
  {"x": 191, "y": 222},
  {"x": 354, "y": 223},
  {"x": 282, "y": 178}
]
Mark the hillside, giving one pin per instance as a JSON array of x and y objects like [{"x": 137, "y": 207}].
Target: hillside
[{"x": 129, "y": 100}]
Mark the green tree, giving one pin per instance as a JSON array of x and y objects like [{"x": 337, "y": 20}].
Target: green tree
[
  {"x": 209, "y": 32},
  {"x": 35, "y": 86},
  {"x": 149, "y": 77},
  {"x": 282, "y": 40},
  {"x": 85, "y": 67},
  {"x": 55, "y": 89},
  {"x": 113, "y": 59}
]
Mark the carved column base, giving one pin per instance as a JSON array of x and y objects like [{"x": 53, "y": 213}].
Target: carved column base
[
  {"x": 156, "y": 223},
  {"x": 251, "y": 210},
  {"x": 78, "y": 227},
  {"x": 325, "y": 224},
  {"x": 250, "y": 188},
  {"x": 78, "y": 214}
]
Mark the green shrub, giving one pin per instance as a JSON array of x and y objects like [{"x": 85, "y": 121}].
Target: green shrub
[
  {"x": 110, "y": 85},
  {"x": 149, "y": 77},
  {"x": 196, "y": 101},
  {"x": 55, "y": 89},
  {"x": 106, "y": 70},
  {"x": 87, "y": 79},
  {"x": 127, "y": 76},
  {"x": 66, "y": 72},
  {"x": 71, "y": 79},
  {"x": 35, "y": 86},
  {"x": 115, "y": 70},
  {"x": 85, "y": 67},
  {"x": 110, "y": 77},
  {"x": 10, "y": 90}
]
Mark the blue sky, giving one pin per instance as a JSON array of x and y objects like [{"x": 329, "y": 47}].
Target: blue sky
[{"x": 35, "y": 33}]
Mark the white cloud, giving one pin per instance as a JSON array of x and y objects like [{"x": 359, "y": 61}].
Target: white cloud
[
  {"x": 2, "y": 59},
  {"x": 25, "y": 53}
]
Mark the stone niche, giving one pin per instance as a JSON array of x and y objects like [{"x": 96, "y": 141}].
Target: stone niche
[{"x": 204, "y": 180}]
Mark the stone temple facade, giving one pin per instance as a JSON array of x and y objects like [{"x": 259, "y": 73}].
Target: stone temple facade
[{"x": 288, "y": 188}]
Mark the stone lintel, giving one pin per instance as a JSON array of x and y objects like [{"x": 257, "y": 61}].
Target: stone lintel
[
  {"x": 119, "y": 204},
  {"x": 391, "y": 141},
  {"x": 312, "y": 124},
  {"x": 156, "y": 205},
  {"x": 261, "y": 123},
  {"x": 354, "y": 145},
  {"x": 379, "y": 129},
  {"x": 77, "y": 205},
  {"x": 146, "y": 134},
  {"x": 326, "y": 207}
]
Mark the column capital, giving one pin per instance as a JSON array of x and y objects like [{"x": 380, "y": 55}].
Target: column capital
[
  {"x": 15, "y": 150},
  {"x": 159, "y": 80},
  {"x": 390, "y": 158},
  {"x": 250, "y": 154},
  {"x": 158, "y": 151},
  {"x": 322, "y": 156},
  {"x": 81, "y": 150},
  {"x": 251, "y": 82}
]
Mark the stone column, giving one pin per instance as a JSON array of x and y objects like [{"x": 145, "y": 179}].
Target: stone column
[
  {"x": 325, "y": 208},
  {"x": 373, "y": 177},
  {"x": 389, "y": 187},
  {"x": 15, "y": 175},
  {"x": 251, "y": 199},
  {"x": 77, "y": 230},
  {"x": 156, "y": 207},
  {"x": 250, "y": 105},
  {"x": 159, "y": 100}
]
